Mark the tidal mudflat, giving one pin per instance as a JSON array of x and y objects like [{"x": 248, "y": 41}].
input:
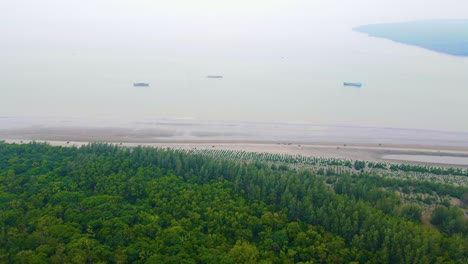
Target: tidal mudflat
[{"x": 433, "y": 159}]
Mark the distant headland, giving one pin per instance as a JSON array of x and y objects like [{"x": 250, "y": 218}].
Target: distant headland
[{"x": 444, "y": 36}]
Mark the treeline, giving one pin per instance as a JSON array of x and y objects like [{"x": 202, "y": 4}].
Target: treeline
[
  {"x": 320, "y": 161},
  {"x": 102, "y": 203},
  {"x": 407, "y": 186}
]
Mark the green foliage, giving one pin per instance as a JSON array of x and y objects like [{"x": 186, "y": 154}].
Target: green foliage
[
  {"x": 449, "y": 220},
  {"x": 411, "y": 212},
  {"x": 244, "y": 253},
  {"x": 359, "y": 165},
  {"x": 295, "y": 160},
  {"x": 464, "y": 199},
  {"x": 101, "y": 203}
]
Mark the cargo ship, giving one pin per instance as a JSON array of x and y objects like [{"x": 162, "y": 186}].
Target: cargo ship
[
  {"x": 352, "y": 84},
  {"x": 141, "y": 84}
]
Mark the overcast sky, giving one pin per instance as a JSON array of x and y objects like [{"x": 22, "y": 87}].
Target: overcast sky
[{"x": 24, "y": 21}]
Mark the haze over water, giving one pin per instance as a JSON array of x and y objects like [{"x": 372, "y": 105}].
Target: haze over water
[{"x": 281, "y": 62}]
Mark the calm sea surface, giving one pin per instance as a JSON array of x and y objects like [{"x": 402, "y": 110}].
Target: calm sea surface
[{"x": 271, "y": 73}]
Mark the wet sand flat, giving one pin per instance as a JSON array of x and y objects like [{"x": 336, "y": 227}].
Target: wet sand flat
[
  {"x": 354, "y": 143},
  {"x": 430, "y": 159}
]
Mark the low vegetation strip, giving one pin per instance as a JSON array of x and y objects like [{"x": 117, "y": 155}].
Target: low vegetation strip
[{"x": 455, "y": 176}]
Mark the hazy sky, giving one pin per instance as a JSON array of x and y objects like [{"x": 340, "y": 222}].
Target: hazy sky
[
  {"x": 55, "y": 23},
  {"x": 102, "y": 9},
  {"x": 118, "y": 27}
]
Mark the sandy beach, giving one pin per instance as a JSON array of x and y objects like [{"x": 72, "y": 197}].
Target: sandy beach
[
  {"x": 391, "y": 154},
  {"x": 355, "y": 143}
]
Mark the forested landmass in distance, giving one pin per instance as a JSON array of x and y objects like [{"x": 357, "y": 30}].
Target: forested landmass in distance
[
  {"x": 444, "y": 36},
  {"x": 104, "y": 203}
]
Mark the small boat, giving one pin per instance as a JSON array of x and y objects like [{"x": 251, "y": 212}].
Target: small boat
[
  {"x": 214, "y": 76},
  {"x": 352, "y": 84},
  {"x": 141, "y": 84}
]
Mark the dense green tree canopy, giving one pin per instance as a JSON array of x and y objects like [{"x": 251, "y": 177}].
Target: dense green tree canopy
[{"x": 107, "y": 204}]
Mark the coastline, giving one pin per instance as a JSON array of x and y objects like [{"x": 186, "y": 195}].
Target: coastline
[
  {"x": 375, "y": 144},
  {"x": 326, "y": 150}
]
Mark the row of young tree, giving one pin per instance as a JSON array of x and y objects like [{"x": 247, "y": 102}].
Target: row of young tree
[
  {"x": 321, "y": 161},
  {"x": 102, "y": 203}
]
